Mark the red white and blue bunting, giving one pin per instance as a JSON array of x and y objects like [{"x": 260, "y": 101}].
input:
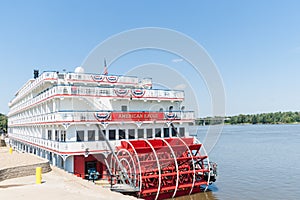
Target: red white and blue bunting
[
  {"x": 102, "y": 116},
  {"x": 170, "y": 115},
  {"x": 138, "y": 93},
  {"x": 98, "y": 78},
  {"x": 121, "y": 92},
  {"x": 112, "y": 79}
]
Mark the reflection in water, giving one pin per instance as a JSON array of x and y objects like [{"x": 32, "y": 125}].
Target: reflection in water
[{"x": 199, "y": 196}]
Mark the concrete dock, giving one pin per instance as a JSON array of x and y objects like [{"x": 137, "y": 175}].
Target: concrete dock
[{"x": 56, "y": 184}]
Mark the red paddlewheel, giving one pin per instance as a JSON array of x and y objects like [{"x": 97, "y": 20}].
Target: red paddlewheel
[{"x": 162, "y": 168}]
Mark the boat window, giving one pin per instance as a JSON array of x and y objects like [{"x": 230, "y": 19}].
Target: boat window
[
  {"x": 88, "y": 91},
  {"x": 149, "y": 133},
  {"x": 181, "y": 131},
  {"x": 65, "y": 91},
  {"x": 166, "y": 132},
  {"x": 103, "y": 92},
  {"x": 112, "y": 134},
  {"x": 174, "y": 132},
  {"x": 91, "y": 135},
  {"x": 79, "y": 136},
  {"x": 49, "y": 134},
  {"x": 61, "y": 76},
  {"x": 161, "y": 110},
  {"x": 140, "y": 133},
  {"x": 124, "y": 108},
  {"x": 121, "y": 134},
  {"x": 170, "y": 108},
  {"x": 50, "y": 157},
  {"x": 56, "y": 135},
  {"x": 101, "y": 135},
  {"x": 131, "y": 134},
  {"x": 157, "y": 132},
  {"x": 63, "y": 136}
]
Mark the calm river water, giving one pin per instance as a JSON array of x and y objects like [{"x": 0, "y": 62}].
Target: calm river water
[{"x": 255, "y": 162}]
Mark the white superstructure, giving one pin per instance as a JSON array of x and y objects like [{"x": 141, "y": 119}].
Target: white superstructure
[{"x": 63, "y": 116}]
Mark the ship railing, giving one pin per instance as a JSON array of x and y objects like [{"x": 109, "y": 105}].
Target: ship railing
[
  {"x": 36, "y": 119},
  {"x": 51, "y": 144},
  {"x": 73, "y": 116},
  {"x": 41, "y": 97},
  {"x": 88, "y": 146},
  {"x": 62, "y": 146},
  {"x": 73, "y": 77},
  {"x": 146, "y": 83},
  {"x": 31, "y": 85},
  {"x": 95, "y": 91},
  {"x": 158, "y": 94}
]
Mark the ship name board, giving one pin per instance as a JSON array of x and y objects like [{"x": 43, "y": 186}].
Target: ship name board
[{"x": 137, "y": 116}]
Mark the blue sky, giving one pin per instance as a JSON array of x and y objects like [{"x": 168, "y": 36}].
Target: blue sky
[{"x": 255, "y": 44}]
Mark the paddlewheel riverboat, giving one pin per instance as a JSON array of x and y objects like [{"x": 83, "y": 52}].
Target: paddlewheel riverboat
[{"x": 118, "y": 128}]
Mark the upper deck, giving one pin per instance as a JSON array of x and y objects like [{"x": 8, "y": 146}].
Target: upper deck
[
  {"x": 56, "y": 78},
  {"x": 52, "y": 85}
]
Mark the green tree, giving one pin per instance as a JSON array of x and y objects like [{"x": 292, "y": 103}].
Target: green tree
[
  {"x": 3, "y": 122},
  {"x": 263, "y": 118},
  {"x": 254, "y": 119}
]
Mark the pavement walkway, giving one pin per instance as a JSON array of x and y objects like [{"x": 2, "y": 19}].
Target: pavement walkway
[{"x": 57, "y": 184}]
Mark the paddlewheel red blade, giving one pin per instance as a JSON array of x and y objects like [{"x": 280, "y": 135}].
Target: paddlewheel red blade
[{"x": 162, "y": 168}]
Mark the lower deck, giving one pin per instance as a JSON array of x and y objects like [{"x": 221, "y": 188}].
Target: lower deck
[{"x": 75, "y": 164}]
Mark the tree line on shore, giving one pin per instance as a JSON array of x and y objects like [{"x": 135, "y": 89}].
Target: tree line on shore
[
  {"x": 3, "y": 122},
  {"x": 263, "y": 118}
]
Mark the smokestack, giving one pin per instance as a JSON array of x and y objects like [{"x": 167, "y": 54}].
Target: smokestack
[{"x": 35, "y": 74}]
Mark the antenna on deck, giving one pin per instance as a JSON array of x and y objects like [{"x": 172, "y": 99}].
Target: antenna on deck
[{"x": 105, "y": 71}]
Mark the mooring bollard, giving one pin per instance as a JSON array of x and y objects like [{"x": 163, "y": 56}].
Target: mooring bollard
[
  {"x": 10, "y": 150},
  {"x": 38, "y": 175}
]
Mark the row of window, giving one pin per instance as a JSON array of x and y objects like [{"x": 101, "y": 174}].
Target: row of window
[
  {"x": 58, "y": 136},
  {"x": 130, "y": 134},
  {"x": 124, "y": 108}
]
